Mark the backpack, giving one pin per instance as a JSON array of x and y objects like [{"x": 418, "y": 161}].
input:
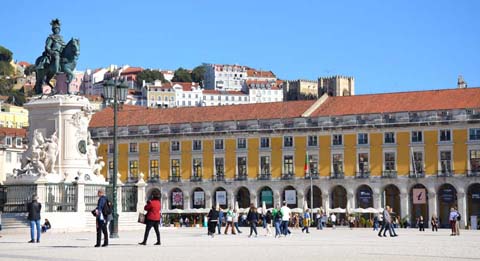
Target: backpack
[
  {"x": 108, "y": 208},
  {"x": 459, "y": 217}
]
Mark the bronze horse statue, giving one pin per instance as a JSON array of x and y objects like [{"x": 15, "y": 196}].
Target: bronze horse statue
[{"x": 68, "y": 62}]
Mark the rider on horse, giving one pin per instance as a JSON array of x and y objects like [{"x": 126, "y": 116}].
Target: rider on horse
[{"x": 53, "y": 48}]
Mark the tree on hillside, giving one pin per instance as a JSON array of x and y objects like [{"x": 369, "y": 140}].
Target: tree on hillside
[
  {"x": 149, "y": 76},
  {"x": 198, "y": 74},
  {"x": 5, "y": 54},
  {"x": 5, "y": 58},
  {"x": 181, "y": 75}
]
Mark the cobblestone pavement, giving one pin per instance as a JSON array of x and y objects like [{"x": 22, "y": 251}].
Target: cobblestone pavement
[{"x": 193, "y": 243}]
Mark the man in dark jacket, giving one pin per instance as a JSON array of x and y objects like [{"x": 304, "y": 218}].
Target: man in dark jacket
[
  {"x": 101, "y": 221},
  {"x": 34, "y": 209},
  {"x": 212, "y": 221}
]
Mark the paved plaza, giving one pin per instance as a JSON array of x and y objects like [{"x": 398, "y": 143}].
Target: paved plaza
[{"x": 193, "y": 243}]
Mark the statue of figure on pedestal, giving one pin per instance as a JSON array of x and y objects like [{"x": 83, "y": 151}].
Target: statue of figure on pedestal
[{"x": 58, "y": 57}]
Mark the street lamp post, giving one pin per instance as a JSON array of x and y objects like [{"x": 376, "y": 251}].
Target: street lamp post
[{"x": 117, "y": 92}]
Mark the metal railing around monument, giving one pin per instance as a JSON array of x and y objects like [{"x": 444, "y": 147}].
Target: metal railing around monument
[
  {"x": 91, "y": 196},
  {"x": 14, "y": 198},
  {"x": 60, "y": 197},
  {"x": 129, "y": 198}
]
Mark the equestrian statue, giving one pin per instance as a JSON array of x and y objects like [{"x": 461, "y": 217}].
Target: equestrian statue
[{"x": 57, "y": 58}]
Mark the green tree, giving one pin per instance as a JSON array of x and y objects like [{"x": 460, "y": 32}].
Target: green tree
[
  {"x": 182, "y": 75},
  {"x": 5, "y": 58},
  {"x": 5, "y": 54},
  {"x": 149, "y": 76},
  {"x": 198, "y": 74}
]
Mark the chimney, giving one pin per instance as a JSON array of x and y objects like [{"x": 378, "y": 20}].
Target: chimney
[{"x": 461, "y": 83}]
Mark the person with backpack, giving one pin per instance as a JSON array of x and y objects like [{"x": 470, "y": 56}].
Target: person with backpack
[
  {"x": 277, "y": 220},
  {"x": 229, "y": 215},
  {"x": 101, "y": 213},
  {"x": 253, "y": 218},
  {"x": 152, "y": 219},
  {"x": 452, "y": 218}
]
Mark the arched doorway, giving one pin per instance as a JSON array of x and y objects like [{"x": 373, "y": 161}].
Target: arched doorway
[
  {"x": 447, "y": 198},
  {"x": 290, "y": 196},
  {"x": 338, "y": 197},
  {"x": 391, "y": 197},
  {"x": 220, "y": 198},
  {"x": 473, "y": 203},
  {"x": 419, "y": 204},
  {"x": 317, "y": 197},
  {"x": 265, "y": 194},
  {"x": 176, "y": 199},
  {"x": 243, "y": 197},
  {"x": 198, "y": 199},
  {"x": 364, "y": 197}
]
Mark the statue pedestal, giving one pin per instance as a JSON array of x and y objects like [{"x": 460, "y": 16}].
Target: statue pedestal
[{"x": 68, "y": 116}]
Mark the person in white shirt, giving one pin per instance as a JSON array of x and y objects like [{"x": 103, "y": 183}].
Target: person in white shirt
[
  {"x": 333, "y": 218},
  {"x": 285, "y": 210}
]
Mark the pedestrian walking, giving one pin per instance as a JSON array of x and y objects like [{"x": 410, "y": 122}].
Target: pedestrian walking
[
  {"x": 102, "y": 212},
  {"x": 351, "y": 221},
  {"x": 457, "y": 223},
  {"x": 277, "y": 220},
  {"x": 421, "y": 224},
  {"x": 229, "y": 219},
  {"x": 375, "y": 223},
  {"x": 212, "y": 221},
  {"x": 318, "y": 218},
  {"x": 306, "y": 221},
  {"x": 268, "y": 223},
  {"x": 34, "y": 209},
  {"x": 285, "y": 212},
  {"x": 235, "y": 220},
  {"x": 434, "y": 223},
  {"x": 333, "y": 219},
  {"x": 252, "y": 218},
  {"x": 152, "y": 219},
  {"x": 220, "y": 221},
  {"x": 386, "y": 225}
]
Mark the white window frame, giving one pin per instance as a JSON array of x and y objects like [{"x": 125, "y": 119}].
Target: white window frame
[
  {"x": 440, "y": 135},
  {"x": 358, "y": 139},
  {"x": 384, "y": 168},
  {"x": 394, "y": 138}
]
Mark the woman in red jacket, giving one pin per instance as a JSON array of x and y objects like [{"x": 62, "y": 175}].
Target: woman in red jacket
[{"x": 152, "y": 219}]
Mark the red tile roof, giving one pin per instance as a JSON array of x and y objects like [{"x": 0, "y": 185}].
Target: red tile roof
[
  {"x": 132, "y": 70},
  {"x": 333, "y": 106},
  {"x": 400, "y": 102},
  {"x": 13, "y": 132},
  {"x": 135, "y": 117},
  {"x": 24, "y": 64},
  {"x": 257, "y": 73},
  {"x": 186, "y": 86}
]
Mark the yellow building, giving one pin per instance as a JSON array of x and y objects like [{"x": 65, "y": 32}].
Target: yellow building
[
  {"x": 13, "y": 116},
  {"x": 418, "y": 152},
  {"x": 160, "y": 95}
]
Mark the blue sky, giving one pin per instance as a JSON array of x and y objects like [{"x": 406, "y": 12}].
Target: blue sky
[{"x": 386, "y": 45}]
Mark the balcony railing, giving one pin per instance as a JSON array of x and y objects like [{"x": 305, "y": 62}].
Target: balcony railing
[
  {"x": 473, "y": 173},
  {"x": 362, "y": 175},
  {"x": 337, "y": 175},
  {"x": 265, "y": 176},
  {"x": 417, "y": 174},
  {"x": 312, "y": 175},
  {"x": 196, "y": 178},
  {"x": 241, "y": 177},
  {"x": 389, "y": 174},
  {"x": 219, "y": 177},
  {"x": 154, "y": 178},
  {"x": 174, "y": 178},
  {"x": 287, "y": 176},
  {"x": 445, "y": 173}
]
